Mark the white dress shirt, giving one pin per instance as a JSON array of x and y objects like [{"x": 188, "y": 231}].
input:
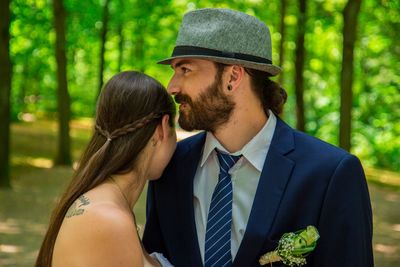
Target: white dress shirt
[{"x": 245, "y": 177}]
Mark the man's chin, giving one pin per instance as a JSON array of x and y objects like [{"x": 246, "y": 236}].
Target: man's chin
[
  {"x": 184, "y": 124},
  {"x": 186, "y": 127}
]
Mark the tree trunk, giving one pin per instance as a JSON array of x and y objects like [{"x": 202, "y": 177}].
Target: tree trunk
[
  {"x": 120, "y": 47},
  {"x": 138, "y": 49},
  {"x": 299, "y": 67},
  {"x": 121, "y": 37},
  {"x": 139, "y": 52},
  {"x": 350, "y": 14},
  {"x": 25, "y": 82},
  {"x": 282, "y": 30},
  {"x": 103, "y": 39},
  {"x": 64, "y": 155},
  {"x": 5, "y": 89}
]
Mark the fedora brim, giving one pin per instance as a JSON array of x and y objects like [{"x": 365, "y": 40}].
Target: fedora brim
[{"x": 269, "y": 68}]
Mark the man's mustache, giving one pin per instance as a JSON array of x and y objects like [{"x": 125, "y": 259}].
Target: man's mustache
[{"x": 179, "y": 98}]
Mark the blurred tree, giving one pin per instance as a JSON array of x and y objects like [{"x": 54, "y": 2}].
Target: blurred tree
[
  {"x": 283, "y": 35},
  {"x": 5, "y": 88},
  {"x": 350, "y": 15},
  {"x": 121, "y": 38},
  {"x": 64, "y": 154},
  {"x": 143, "y": 9},
  {"x": 299, "y": 64},
  {"x": 142, "y": 32},
  {"x": 103, "y": 39},
  {"x": 31, "y": 48},
  {"x": 376, "y": 102},
  {"x": 83, "y": 42}
]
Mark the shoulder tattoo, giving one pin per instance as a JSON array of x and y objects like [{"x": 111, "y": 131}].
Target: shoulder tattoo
[{"x": 77, "y": 207}]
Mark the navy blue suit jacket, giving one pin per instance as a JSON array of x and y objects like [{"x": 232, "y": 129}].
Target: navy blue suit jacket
[{"x": 304, "y": 181}]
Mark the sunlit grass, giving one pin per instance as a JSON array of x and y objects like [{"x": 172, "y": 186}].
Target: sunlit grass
[
  {"x": 383, "y": 178},
  {"x": 35, "y": 162}
]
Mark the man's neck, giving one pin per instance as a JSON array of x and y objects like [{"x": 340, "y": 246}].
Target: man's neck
[{"x": 244, "y": 124}]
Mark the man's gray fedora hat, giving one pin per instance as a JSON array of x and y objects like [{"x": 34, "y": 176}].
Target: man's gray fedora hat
[{"x": 225, "y": 36}]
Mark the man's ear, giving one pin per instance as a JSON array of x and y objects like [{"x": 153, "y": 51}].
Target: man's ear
[{"x": 236, "y": 74}]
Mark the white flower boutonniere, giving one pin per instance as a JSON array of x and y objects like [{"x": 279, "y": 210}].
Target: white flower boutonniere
[{"x": 293, "y": 247}]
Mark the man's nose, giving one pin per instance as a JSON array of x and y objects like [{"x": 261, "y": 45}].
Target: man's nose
[{"x": 173, "y": 86}]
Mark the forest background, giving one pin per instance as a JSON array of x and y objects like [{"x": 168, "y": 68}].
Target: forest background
[{"x": 340, "y": 60}]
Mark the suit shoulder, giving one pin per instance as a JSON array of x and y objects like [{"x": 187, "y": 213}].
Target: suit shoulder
[
  {"x": 321, "y": 159},
  {"x": 188, "y": 142},
  {"x": 321, "y": 150},
  {"x": 314, "y": 142}
]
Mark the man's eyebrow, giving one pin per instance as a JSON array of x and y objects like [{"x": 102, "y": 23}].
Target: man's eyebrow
[{"x": 180, "y": 63}]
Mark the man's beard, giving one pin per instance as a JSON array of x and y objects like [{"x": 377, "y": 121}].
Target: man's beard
[{"x": 211, "y": 109}]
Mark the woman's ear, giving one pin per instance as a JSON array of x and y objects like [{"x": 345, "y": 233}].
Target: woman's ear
[{"x": 163, "y": 129}]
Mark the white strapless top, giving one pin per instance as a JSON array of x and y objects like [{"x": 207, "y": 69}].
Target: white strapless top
[{"x": 161, "y": 259}]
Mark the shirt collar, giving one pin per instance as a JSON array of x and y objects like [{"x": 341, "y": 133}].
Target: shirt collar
[{"x": 254, "y": 151}]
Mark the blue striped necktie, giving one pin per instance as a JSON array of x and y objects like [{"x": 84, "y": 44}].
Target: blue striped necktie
[{"x": 217, "y": 251}]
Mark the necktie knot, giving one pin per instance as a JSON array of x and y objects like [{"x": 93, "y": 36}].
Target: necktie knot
[{"x": 226, "y": 161}]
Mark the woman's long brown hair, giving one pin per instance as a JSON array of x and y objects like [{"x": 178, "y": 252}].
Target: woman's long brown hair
[{"x": 130, "y": 107}]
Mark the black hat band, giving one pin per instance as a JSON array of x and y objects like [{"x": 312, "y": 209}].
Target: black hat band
[{"x": 200, "y": 51}]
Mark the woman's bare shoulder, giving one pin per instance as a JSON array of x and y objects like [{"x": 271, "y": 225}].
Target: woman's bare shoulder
[
  {"x": 96, "y": 233},
  {"x": 106, "y": 213}
]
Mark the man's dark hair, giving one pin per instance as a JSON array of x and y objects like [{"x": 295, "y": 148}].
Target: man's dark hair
[{"x": 271, "y": 94}]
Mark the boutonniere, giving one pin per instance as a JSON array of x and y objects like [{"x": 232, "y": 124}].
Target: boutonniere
[{"x": 293, "y": 247}]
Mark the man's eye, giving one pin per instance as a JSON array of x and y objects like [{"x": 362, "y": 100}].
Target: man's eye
[{"x": 185, "y": 70}]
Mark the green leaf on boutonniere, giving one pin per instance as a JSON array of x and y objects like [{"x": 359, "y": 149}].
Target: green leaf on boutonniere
[{"x": 293, "y": 247}]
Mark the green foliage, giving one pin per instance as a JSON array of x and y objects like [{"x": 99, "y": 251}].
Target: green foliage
[
  {"x": 33, "y": 58},
  {"x": 377, "y": 109},
  {"x": 147, "y": 32}
]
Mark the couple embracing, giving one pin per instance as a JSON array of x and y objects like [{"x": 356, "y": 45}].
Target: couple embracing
[{"x": 223, "y": 197}]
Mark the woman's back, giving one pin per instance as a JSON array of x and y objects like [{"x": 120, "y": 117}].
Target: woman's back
[{"x": 98, "y": 230}]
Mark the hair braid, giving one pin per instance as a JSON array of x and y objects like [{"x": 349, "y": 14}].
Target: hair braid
[
  {"x": 104, "y": 133},
  {"x": 128, "y": 128}
]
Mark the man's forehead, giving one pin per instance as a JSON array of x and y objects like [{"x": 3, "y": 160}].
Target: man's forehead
[
  {"x": 176, "y": 62},
  {"x": 180, "y": 61}
]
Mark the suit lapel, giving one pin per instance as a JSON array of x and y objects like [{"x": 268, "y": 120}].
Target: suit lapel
[{"x": 274, "y": 177}]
